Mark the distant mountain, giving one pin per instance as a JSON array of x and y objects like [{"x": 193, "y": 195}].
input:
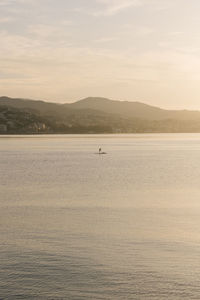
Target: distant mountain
[
  {"x": 58, "y": 118},
  {"x": 92, "y": 115},
  {"x": 134, "y": 109},
  {"x": 122, "y": 108},
  {"x": 34, "y": 105}
]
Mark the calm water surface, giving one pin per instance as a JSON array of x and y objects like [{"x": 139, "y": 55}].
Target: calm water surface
[{"x": 76, "y": 225}]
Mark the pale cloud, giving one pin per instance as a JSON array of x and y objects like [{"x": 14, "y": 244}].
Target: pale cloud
[
  {"x": 107, "y": 39},
  {"x": 6, "y": 2},
  {"x": 125, "y": 49},
  {"x": 7, "y": 19},
  {"x": 55, "y": 34},
  {"x": 13, "y": 45},
  {"x": 113, "y": 7},
  {"x": 84, "y": 68},
  {"x": 11, "y": 2}
]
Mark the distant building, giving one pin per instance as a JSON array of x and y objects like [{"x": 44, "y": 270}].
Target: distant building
[
  {"x": 40, "y": 126},
  {"x": 37, "y": 127},
  {"x": 3, "y": 128}
]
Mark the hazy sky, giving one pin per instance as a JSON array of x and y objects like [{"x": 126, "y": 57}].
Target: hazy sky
[{"x": 65, "y": 50}]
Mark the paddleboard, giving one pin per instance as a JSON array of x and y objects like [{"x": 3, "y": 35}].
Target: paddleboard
[{"x": 100, "y": 153}]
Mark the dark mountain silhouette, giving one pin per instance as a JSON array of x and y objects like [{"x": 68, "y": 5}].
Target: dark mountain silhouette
[
  {"x": 34, "y": 105},
  {"x": 92, "y": 115},
  {"x": 134, "y": 109},
  {"x": 122, "y": 108}
]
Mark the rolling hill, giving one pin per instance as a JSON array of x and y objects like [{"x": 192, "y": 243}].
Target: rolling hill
[
  {"x": 129, "y": 109},
  {"x": 92, "y": 115}
]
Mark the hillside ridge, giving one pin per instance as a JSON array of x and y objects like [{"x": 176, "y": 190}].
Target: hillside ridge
[{"x": 92, "y": 115}]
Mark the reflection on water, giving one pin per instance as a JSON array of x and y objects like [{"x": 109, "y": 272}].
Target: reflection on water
[{"x": 75, "y": 225}]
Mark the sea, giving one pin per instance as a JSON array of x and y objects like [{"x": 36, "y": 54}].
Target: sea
[{"x": 78, "y": 225}]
